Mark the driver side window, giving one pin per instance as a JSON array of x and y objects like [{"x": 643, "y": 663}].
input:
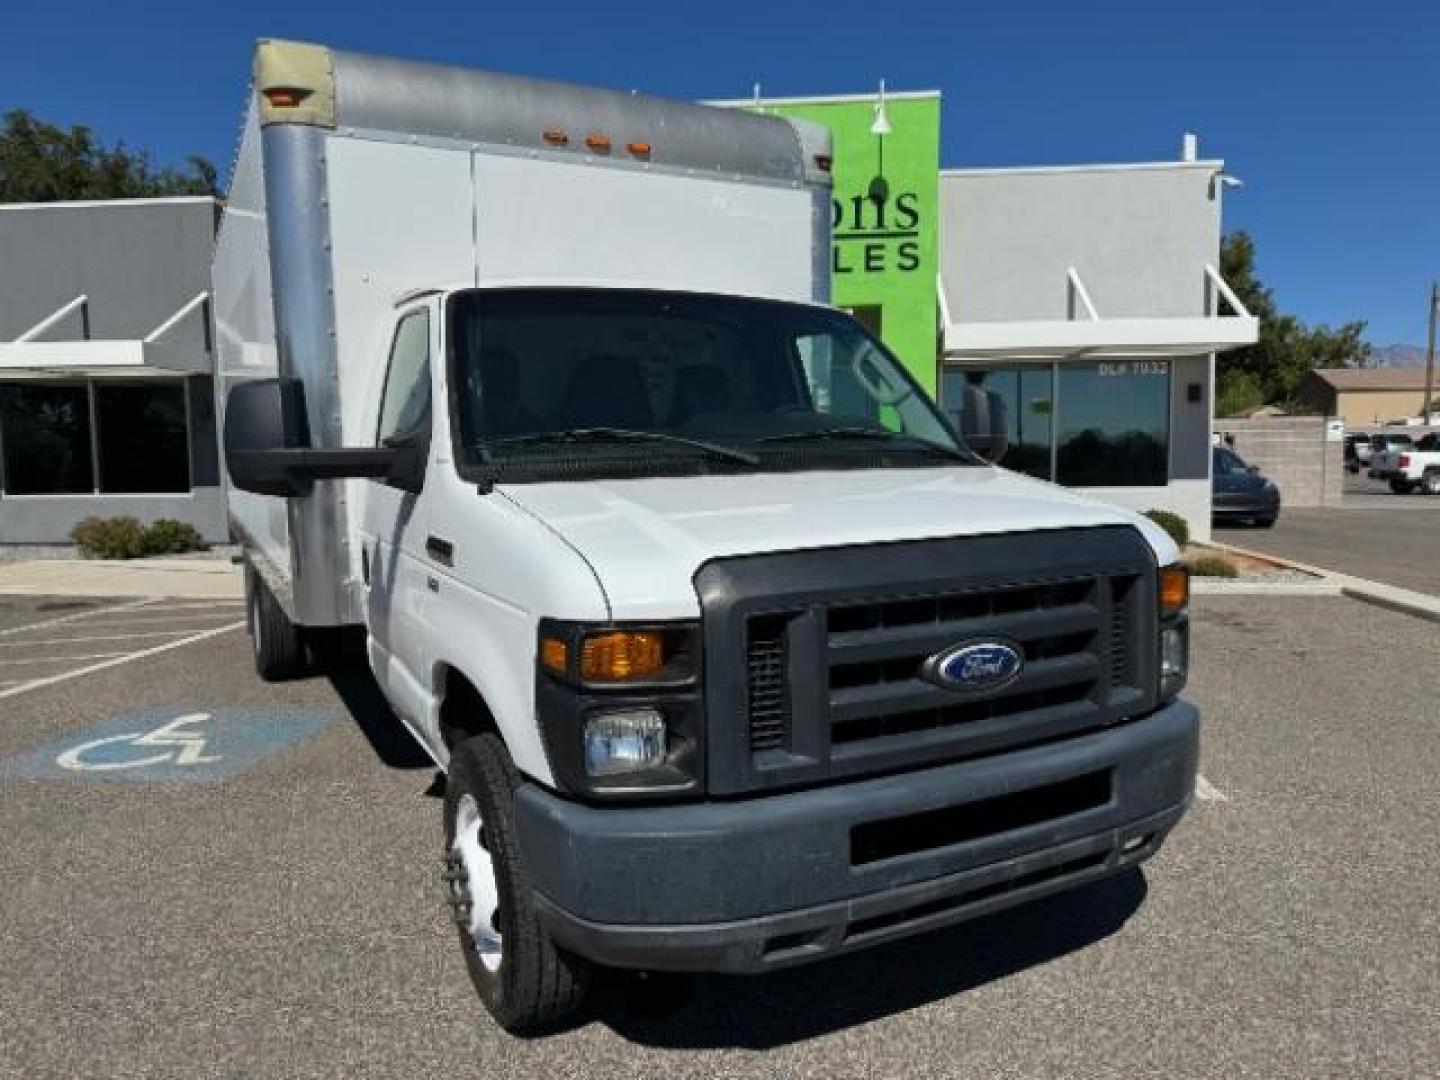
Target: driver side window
[{"x": 405, "y": 400}]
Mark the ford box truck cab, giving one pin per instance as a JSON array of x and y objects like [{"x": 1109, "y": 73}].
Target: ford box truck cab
[{"x": 736, "y": 653}]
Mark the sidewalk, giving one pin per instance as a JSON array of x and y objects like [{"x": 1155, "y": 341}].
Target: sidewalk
[{"x": 174, "y": 576}]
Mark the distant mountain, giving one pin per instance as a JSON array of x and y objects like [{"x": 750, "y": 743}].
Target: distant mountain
[{"x": 1397, "y": 355}]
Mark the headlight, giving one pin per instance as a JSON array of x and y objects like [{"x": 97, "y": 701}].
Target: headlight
[
  {"x": 1173, "y": 595},
  {"x": 620, "y": 710},
  {"x": 624, "y": 741}
]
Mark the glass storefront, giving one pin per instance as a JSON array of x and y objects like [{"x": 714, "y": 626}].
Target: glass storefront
[
  {"x": 1102, "y": 423},
  {"x": 54, "y": 435}
]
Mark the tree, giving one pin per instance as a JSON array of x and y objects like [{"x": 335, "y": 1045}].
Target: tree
[
  {"x": 1274, "y": 367},
  {"x": 40, "y": 162}
]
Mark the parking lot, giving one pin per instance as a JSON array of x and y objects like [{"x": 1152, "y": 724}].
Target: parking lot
[
  {"x": 1374, "y": 534},
  {"x": 210, "y": 876}
]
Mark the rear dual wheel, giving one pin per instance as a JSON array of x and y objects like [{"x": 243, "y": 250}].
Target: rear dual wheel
[
  {"x": 1430, "y": 483},
  {"x": 1402, "y": 487},
  {"x": 277, "y": 644}
]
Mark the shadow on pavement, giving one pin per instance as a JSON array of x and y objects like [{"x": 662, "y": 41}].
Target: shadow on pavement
[
  {"x": 763, "y": 1012},
  {"x": 340, "y": 657}
]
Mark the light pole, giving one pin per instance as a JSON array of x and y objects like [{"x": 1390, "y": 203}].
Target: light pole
[{"x": 1430, "y": 357}]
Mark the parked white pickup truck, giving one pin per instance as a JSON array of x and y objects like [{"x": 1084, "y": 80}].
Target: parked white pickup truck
[
  {"x": 736, "y": 654},
  {"x": 1415, "y": 467}
]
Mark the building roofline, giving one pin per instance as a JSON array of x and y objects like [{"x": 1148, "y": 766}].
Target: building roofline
[
  {"x": 1116, "y": 166},
  {"x": 827, "y": 99},
  {"x": 70, "y": 204}
]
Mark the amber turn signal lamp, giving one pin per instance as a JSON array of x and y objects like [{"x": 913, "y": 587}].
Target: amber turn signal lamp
[
  {"x": 1174, "y": 590},
  {"x": 554, "y": 655},
  {"x": 285, "y": 97},
  {"x": 621, "y": 655}
]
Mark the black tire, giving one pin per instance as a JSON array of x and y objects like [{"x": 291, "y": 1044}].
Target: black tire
[
  {"x": 277, "y": 644},
  {"x": 1402, "y": 487},
  {"x": 537, "y": 985},
  {"x": 1430, "y": 483}
]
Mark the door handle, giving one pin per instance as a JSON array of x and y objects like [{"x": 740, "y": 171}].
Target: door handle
[{"x": 442, "y": 551}]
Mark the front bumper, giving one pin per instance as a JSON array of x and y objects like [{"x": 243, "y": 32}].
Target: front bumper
[{"x": 761, "y": 883}]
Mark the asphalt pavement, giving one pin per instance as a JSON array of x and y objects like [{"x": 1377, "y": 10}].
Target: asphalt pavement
[
  {"x": 273, "y": 906},
  {"x": 1398, "y": 545}
]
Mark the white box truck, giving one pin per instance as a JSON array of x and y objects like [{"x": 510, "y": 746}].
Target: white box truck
[{"x": 736, "y": 653}]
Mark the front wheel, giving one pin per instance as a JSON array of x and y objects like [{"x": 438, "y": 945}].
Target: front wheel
[
  {"x": 1402, "y": 487},
  {"x": 527, "y": 983}
]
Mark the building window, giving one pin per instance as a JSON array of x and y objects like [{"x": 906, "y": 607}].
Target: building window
[
  {"x": 1101, "y": 424},
  {"x": 143, "y": 443},
  {"x": 45, "y": 437},
  {"x": 54, "y": 435},
  {"x": 1114, "y": 424}
]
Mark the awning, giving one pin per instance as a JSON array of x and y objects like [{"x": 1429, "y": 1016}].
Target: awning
[
  {"x": 85, "y": 357},
  {"x": 1087, "y": 333}
]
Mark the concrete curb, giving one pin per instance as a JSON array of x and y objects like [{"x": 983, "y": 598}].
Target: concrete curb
[
  {"x": 1406, "y": 601},
  {"x": 190, "y": 579}
]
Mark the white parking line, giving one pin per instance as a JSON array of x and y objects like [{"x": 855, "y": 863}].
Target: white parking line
[
  {"x": 109, "y": 610},
  {"x": 1208, "y": 792},
  {"x": 51, "y": 680},
  {"x": 91, "y": 637},
  {"x": 151, "y": 620},
  {"x": 60, "y": 659}
]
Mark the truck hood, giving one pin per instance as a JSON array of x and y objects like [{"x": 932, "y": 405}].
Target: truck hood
[{"x": 645, "y": 539}]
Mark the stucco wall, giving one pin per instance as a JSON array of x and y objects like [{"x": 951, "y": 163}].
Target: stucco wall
[
  {"x": 138, "y": 262},
  {"x": 1139, "y": 236},
  {"x": 1362, "y": 408}
]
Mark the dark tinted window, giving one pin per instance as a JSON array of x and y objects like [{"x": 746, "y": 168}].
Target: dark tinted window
[
  {"x": 142, "y": 437},
  {"x": 46, "y": 439},
  {"x": 1114, "y": 421},
  {"x": 788, "y": 383},
  {"x": 1029, "y": 409}
]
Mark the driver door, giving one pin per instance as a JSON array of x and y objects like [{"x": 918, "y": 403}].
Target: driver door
[{"x": 394, "y": 525}]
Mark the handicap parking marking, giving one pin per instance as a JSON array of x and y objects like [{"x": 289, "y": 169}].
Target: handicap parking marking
[{"x": 168, "y": 745}]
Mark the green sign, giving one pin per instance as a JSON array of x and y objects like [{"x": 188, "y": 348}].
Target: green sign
[{"x": 884, "y": 266}]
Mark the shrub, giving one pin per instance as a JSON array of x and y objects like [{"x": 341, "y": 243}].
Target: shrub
[
  {"x": 110, "y": 538},
  {"x": 1212, "y": 566},
  {"x": 170, "y": 537},
  {"x": 1174, "y": 524}
]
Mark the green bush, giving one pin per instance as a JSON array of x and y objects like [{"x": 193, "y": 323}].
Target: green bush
[
  {"x": 110, "y": 538},
  {"x": 1174, "y": 524},
  {"x": 170, "y": 537},
  {"x": 1212, "y": 566},
  {"x": 126, "y": 538}
]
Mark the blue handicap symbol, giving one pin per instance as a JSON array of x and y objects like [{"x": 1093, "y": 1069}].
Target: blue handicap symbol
[{"x": 168, "y": 744}]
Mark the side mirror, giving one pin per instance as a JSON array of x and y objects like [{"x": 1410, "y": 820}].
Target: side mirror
[
  {"x": 267, "y": 446},
  {"x": 983, "y": 423}
]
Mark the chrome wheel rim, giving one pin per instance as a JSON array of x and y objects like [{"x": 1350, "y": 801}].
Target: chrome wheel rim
[{"x": 474, "y": 893}]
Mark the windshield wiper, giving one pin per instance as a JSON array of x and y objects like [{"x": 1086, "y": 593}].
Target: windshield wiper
[
  {"x": 610, "y": 434},
  {"x": 856, "y": 432}
]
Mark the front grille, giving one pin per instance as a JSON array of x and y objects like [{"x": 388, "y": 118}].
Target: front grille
[{"x": 832, "y": 645}]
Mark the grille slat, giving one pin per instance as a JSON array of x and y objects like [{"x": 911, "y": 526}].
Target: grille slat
[
  {"x": 920, "y": 640},
  {"x": 767, "y": 683}
]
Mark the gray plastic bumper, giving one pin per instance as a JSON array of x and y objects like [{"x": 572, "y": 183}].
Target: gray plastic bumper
[{"x": 765, "y": 882}]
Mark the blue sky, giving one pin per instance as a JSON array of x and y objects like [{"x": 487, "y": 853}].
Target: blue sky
[{"x": 1328, "y": 110}]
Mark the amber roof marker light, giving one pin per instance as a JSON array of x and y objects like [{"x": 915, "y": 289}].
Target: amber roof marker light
[{"x": 598, "y": 141}]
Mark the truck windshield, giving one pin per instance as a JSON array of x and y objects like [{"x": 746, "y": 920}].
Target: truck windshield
[{"x": 561, "y": 382}]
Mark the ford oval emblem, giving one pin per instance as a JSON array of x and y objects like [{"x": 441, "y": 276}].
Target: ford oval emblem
[{"x": 972, "y": 666}]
